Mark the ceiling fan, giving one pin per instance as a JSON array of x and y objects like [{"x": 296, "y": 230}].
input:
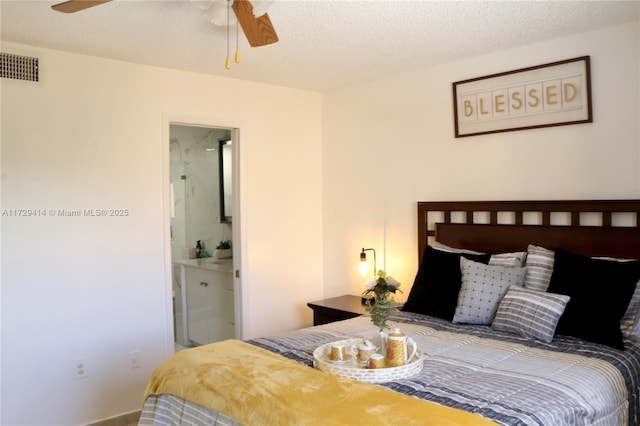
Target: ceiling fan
[{"x": 258, "y": 30}]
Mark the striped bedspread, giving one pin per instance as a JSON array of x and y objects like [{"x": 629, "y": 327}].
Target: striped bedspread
[{"x": 511, "y": 380}]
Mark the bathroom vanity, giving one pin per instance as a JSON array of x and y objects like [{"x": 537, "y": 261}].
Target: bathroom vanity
[{"x": 208, "y": 299}]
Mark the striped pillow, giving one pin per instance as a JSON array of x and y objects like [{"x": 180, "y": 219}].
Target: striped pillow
[
  {"x": 507, "y": 260},
  {"x": 530, "y": 313},
  {"x": 539, "y": 265}
]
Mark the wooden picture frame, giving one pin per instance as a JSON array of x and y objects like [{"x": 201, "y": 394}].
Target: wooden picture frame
[{"x": 553, "y": 94}]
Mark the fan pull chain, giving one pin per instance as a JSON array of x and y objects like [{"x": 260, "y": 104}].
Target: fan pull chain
[
  {"x": 228, "y": 61},
  {"x": 237, "y": 44}
]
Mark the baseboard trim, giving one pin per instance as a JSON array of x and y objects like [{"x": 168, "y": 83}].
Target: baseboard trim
[{"x": 121, "y": 420}]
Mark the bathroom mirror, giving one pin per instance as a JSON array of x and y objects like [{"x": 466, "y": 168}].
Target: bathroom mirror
[{"x": 225, "y": 164}]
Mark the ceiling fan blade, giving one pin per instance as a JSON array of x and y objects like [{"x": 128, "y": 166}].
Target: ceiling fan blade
[
  {"x": 259, "y": 31},
  {"x": 72, "y": 6}
]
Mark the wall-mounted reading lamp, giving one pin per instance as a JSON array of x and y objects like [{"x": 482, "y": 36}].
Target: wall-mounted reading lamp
[{"x": 363, "y": 261}]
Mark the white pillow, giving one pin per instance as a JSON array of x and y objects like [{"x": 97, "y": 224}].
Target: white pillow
[
  {"x": 515, "y": 258},
  {"x": 443, "y": 247},
  {"x": 482, "y": 289}
]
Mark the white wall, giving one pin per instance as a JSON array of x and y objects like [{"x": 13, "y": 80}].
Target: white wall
[
  {"x": 90, "y": 136},
  {"x": 389, "y": 143}
]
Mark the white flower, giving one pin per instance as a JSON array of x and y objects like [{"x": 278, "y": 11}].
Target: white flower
[
  {"x": 371, "y": 283},
  {"x": 392, "y": 282}
]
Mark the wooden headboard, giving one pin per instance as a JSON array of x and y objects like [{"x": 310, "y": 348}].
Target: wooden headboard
[{"x": 586, "y": 227}]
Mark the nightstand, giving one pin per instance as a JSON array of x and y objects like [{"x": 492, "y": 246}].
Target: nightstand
[{"x": 336, "y": 309}]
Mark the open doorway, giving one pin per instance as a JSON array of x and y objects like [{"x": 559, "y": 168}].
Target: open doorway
[{"x": 205, "y": 303}]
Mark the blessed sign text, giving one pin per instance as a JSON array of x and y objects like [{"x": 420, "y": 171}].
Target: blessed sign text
[{"x": 546, "y": 95}]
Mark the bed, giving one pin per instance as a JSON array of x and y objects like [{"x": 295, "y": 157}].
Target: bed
[{"x": 525, "y": 312}]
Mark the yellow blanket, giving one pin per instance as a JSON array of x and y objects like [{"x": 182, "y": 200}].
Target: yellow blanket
[{"x": 258, "y": 387}]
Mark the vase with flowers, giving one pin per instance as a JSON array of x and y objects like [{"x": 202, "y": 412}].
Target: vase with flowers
[{"x": 380, "y": 301}]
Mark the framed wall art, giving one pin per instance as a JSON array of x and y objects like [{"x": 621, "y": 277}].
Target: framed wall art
[{"x": 554, "y": 94}]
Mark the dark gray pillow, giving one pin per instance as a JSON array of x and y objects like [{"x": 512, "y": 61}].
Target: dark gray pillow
[{"x": 483, "y": 286}]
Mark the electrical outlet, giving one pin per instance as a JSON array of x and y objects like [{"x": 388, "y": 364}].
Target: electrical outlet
[
  {"x": 80, "y": 369},
  {"x": 135, "y": 359}
]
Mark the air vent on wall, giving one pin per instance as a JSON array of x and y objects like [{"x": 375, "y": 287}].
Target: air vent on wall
[{"x": 18, "y": 67}]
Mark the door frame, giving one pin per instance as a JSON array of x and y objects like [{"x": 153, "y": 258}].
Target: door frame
[{"x": 168, "y": 119}]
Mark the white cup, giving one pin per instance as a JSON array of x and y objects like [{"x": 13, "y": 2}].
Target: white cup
[
  {"x": 376, "y": 361},
  {"x": 338, "y": 352}
]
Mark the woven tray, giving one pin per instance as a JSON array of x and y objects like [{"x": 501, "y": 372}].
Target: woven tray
[{"x": 358, "y": 371}]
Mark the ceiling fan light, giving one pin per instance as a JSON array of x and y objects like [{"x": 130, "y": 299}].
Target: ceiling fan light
[
  {"x": 260, "y": 7},
  {"x": 203, "y": 4},
  {"x": 217, "y": 13}
]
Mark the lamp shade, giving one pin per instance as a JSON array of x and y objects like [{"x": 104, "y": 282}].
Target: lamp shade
[
  {"x": 219, "y": 13},
  {"x": 260, "y": 7}
]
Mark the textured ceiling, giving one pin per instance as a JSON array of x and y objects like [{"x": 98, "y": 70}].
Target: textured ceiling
[{"x": 324, "y": 44}]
